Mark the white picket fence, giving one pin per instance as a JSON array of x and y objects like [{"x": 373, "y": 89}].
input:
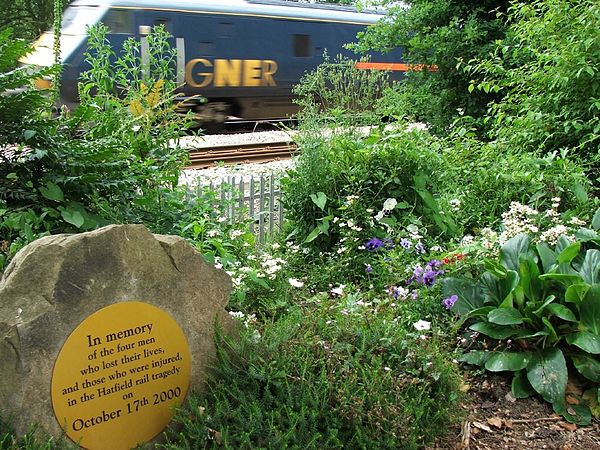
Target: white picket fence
[{"x": 257, "y": 197}]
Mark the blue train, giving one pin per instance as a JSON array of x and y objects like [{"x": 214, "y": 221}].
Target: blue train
[{"x": 243, "y": 56}]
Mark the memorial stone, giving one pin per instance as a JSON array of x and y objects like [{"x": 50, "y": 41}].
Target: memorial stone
[{"x": 104, "y": 333}]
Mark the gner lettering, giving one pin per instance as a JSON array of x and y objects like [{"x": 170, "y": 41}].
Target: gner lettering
[{"x": 202, "y": 72}]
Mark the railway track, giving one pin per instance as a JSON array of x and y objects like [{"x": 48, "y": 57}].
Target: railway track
[{"x": 241, "y": 153}]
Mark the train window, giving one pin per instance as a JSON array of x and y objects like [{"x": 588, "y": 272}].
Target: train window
[
  {"x": 206, "y": 48},
  {"x": 119, "y": 21},
  {"x": 302, "y": 47},
  {"x": 226, "y": 30}
]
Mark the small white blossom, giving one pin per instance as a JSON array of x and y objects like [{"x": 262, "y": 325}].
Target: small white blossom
[
  {"x": 422, "y": 325},
  {"x": 212, "y": 233},
  {"x": 389, "y": 204},
  {"x": 295, "y": 283}
]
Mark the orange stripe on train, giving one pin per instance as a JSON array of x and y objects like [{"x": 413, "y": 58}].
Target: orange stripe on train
[{"x": 395, "y": 67}]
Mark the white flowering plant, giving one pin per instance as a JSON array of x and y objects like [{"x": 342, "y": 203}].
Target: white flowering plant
[{"x": 536, "y": 311}]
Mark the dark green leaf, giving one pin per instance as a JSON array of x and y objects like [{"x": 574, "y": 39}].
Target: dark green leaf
[
  {"x": 313, "y": 235},
  {"x": 513, "y": 249},
  {"x": 563, "y": 278},
  {"x": 52, "y": 192},
  {"x": 547, "y": 256},
  {"x": 529, "y": 274},
  {"x": 505, "y": 316},
  {"x": 562, "y": 312},
  {"x": 469, "y": 294},
  {"x": 589, "y": 311},
  {"x": 590, "y": 268},
  {"x": 520, "y": 387},
  {"x": 475, "y": 357},
  {"x": 547, "y": 374},
  {"x": 576, "y": 293},
  {"x": 512, "y": 361},
  {"x": 496, "y": 290},
  {"x": 587, "y": 365},
  {"x": 494, "y": 331},
  {"x": 585, "y": 341},
  {"x": 579, "y": 414}
]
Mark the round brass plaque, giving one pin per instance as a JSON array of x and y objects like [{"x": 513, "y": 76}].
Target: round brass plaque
[{"x": 120, "y": 375}]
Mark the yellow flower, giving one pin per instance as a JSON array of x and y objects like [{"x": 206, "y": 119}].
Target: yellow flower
[{"x": 136, "y": 107}]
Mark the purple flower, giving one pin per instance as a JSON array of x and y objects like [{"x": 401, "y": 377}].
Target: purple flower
[
  {"x": 373, "y": 244},
  {"x": 450, "y": 301},
  {"x": 420, "y": 248},
  {"x": 426, "y": 276},
  {"x": 368, "y": 269},
  {"x": 389, "y": 244},
  {"x": 405, "y": 243}
]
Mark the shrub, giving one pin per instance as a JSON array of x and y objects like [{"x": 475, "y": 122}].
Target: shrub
[{"x": 536, "y": 311}]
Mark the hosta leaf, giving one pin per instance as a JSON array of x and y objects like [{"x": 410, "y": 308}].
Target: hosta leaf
[
  {"x": 493, "y": 330},
  {"x": 569, "y": 253},
  {"x": 562, "y": 312},
  {"x": 588, "y": 366},
  {"x": 513, "y": 249},
  {"x": 496, "y": 290},
  {"x": 596, "y": 220},
  {"x": 547, "y": 256},
  {"x": 579, "y": 414},
  {"x": 576, "y": 293},
  {"x": 548, "y": 301},
  {"x": 585, "y": 341},
  {"x": 520, "y": 386},
  {"x": 512, "y": 361},
  {"x": 565, "y": 279},
  {"x": 505, "y": 316},
  {"x": 475, "y": 357},
  {"x": 547, "y": 373},
  {"x": 589, "y": 311},
  {"x": 530, "y": 281},
  {"x": 469, "y": 294},
  {"x": 590, "y": 269}
]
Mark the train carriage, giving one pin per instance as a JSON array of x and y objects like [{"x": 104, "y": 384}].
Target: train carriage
[{"x": 243, "y": 56}]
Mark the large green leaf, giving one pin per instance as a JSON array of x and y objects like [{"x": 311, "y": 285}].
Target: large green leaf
[
  {"x": 512, "y": 361},
  {"x": 569, "y": 253},
  {"x": 530, "y": 281},
  {"x": 52, "y": 192},
  {"x": 576, "y": 293},
  {"x": 579, "y": 414},
  {"x": 589, "y": 311},
  {"x": 547, "y": 374},
  {"x": 563, "y": 278},
  {"x": 496, "y": 290},
  {"x": 512, "y": 250},
  {"x": 596, "y": 220},
  {"x": 585, "y": 341},
  {"x": 475, "y": 357},
  {"x": 547, "y": 256},
  {"x": 587, "y": 365},
  {"x": 494, "y": 331},
  {"x": 562, "y": 312},
  {"x": 590, "y": 269},
  {"x": 505, "y": 316},
  {"x": 520, "y": 386},
  {"x": 319, "y": 199},
  {"x": 469, "y": 294},
  {"x": 72, "y": 216}
]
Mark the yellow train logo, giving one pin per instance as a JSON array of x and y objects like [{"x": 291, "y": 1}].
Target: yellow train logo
[{"x": 201, "y": 72}]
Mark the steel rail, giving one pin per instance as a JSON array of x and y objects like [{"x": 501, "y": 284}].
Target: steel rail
[{"x": 237, "y": 154}]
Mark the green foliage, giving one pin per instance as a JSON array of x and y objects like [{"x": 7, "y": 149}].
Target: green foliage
[
  {"x": 437, "y": 34},
  {"x": 540, "y": 306},
  {"x": 336, "y": 93},
  {"x": 324, "y": 377},
  {"x": 548, "y": 72},
  {"x": 29, "y": 18}
]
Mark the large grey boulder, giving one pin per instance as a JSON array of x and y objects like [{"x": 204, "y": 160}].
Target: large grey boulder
[{"x": 55, "y": 283}]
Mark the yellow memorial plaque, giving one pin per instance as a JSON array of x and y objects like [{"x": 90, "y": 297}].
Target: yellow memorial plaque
[{"x": 120, "y": 375}]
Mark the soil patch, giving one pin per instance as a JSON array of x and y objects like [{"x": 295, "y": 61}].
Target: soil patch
[{"x": 496, "y": 420}]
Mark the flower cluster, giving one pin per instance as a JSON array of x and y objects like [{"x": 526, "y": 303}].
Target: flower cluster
[{"x": 426, "y": 275}]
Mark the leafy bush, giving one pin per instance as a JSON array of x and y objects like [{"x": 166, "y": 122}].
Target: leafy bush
[
  {"x": 538, "y": 309},
  {"x": 327, "y": 375},
  {"x": 437, "y": 34},
  {"x": 548, "y": 72}
]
